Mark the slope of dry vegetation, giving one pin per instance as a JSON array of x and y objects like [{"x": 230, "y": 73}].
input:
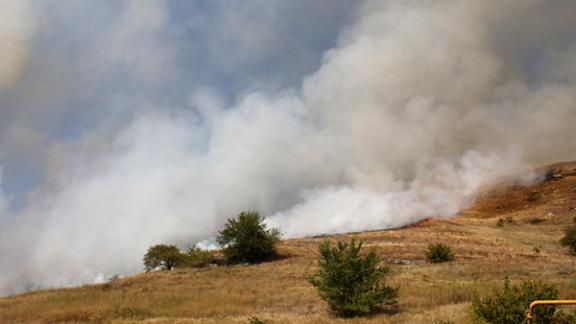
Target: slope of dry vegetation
[
  {"x": 555, "y": 193},
  {"x": 277, "y": 292}
]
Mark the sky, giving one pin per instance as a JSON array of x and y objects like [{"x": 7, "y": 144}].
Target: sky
[{"x": 129, "y": 123}]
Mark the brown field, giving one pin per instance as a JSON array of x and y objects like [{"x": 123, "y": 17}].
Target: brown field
[{"x": 277, "y": 292}]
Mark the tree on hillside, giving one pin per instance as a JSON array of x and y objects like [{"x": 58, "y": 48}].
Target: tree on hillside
[
  {"x": 352, "y": 283},
  {"x": 163, "y": 256},
  {"x": 246, "y": 239}
]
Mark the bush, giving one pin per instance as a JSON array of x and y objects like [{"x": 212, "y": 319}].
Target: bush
[
  {"x": 439, "y": 252},
  {"x": 563, "y": 317},
  {"x": 569, "y": 239},
  {"x": 196, "y": 257},
  {"x": 351, "y": 283},
  {"x": 255, "y": 320},
  {"x": 246, "y": 239},
  {"x": 536, "y": 220},
  {"x": 505, "y": 221},
  {"x": 510, "y": 305},
  {"x": 163, "y": 256}
]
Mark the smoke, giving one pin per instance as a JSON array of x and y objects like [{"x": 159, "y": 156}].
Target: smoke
[
  {"x": 15, "y": 30},
  {"x": 3, "y": 200},
  {"x": 418, "y": 107}
]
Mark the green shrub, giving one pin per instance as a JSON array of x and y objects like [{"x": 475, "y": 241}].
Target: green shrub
[
  {"x": 510, "y": 304},
  {"x": 163, "y": 256},
  {"x": 351, "y": 283},
  {"x": 246, "y": 239},
  {"x": 563, "y": 317},
  {"x": 439, "y": 252},
  {"x": 569, "y": 239},
  {"x": 196, "y": 257}
]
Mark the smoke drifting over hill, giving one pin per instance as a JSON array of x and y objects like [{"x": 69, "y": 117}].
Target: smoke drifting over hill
[{"x": 418, "y": 106}]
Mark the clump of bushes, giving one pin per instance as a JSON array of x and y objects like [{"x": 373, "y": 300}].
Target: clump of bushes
[
  {"x": 243, "y": 239},
  {"x": 167, "y": 257},
  {"x": 162, "y": 256},
  {"x": 564, "y": 317},
  {"x": 196, "y": 257},
  {"x": 536, "y": 220},
  {"x": 569, "y": 239},
  {"x": 511, "y": 303},
  {"x": 505, "y": 221},
  {"x": 352, "y": 283},
  {"x": 439, "y": 252},
  {"x": 246, "y": 239}
]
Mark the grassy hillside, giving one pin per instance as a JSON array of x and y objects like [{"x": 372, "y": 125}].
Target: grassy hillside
[{"x": 278, "y": 292}]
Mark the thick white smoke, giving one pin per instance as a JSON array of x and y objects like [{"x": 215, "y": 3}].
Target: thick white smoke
[
  {"x": 419, "y": 106},
  {"x": 16, "y": 25}
]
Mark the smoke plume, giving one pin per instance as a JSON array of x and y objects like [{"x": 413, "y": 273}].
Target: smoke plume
[
  {"x": 417, "y": 107},
  {"x": 15, "y": 29}
]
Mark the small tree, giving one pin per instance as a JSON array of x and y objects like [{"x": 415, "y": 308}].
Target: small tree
[
  {"x": 351, "y": 283},
  {"x": 196, "y": 257},
  {"x": 163, "y": 256},
  {"x": 246, "y": 239},
  {"x": 439, "y": 252},
  {"x": 569, "y": 239},
  {"x": 510, "y": 305}
]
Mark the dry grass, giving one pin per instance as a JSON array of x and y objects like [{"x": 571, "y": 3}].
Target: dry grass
[{"x": 278, "y": 292}]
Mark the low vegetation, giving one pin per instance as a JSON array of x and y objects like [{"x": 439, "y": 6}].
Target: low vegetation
[
  {"x": 167, "y": 257},
  {"x": 246, "y": 239},
  {"x": 196, "y": 257},
  {"x": 569, "y": 239},
  {"x": 439, "y": 252},
  {"x": 564, "y": 317},
  {"x": 505, "y": 221},
  {"x": 510, "y": 304},
  {"x": 279, "y": 292},
  {"x": 536, "y": 220},
  {"x": 352, "y": 283},
  {"x": 255, "y": 320}
]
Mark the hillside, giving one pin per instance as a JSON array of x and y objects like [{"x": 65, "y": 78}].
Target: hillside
[
  {"x": 277, "y": 292},
  {"x": 555, "y": 193}
]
